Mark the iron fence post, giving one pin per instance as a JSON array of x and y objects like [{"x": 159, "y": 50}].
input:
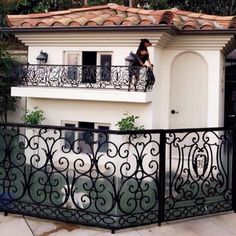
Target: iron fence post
[
  {"x": 234, "y": 172},
  {"x": 161, "y": 184}
]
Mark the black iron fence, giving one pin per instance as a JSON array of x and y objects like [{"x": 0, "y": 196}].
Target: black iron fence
[
  {"x": 115, "y": 179},
  {"x": 110, "y": 77}
]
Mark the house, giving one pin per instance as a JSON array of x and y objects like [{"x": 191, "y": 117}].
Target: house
[
  {"x": 188, "y": 52},
  {"x": 76, "y": 73}
]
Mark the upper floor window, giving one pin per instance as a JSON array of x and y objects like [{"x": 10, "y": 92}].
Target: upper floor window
[
  {"x": 104, "y": 60},
  {"x": 95, "y": 65}
]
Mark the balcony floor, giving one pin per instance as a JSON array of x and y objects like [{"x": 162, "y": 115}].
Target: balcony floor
[
  {"x": 89, "y": 94},
  {"x": 222, "y": 224}
]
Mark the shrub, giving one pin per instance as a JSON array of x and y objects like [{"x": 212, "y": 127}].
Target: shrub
[
  {"x": 34, "y": 117},
  {"x": 128, "y": 123}
]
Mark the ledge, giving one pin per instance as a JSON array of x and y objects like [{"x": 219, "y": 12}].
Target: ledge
[{"x": 88, "y": 94}]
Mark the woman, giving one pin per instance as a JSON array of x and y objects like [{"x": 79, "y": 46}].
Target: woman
[{"x": 141, "y": 57}]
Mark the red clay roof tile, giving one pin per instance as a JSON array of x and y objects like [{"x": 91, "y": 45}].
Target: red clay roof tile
[
  {"x": 26, "y": 24},
  {"x": 57, "y": 24},
  {"x": 157, "y": 13},
  {"x": 207, "y": 24},
  {"x": 208, "y": 17},
  {"x": 167, "y": 18},
  {"x": 115, "y": 19},
  {"x": 191, "y": 23},
  {"x": 145, "y": 22},
  {"x": 74, "y": 24},
  {"x": 232, "y": 23},
  {"x": 90, "y": 15},
  {"x": 45, "y": 22},
  {"x": 29, "y": 22},
  {"x": 91, "y": 23},
  {"x": 180, "y": 12},
  {"x": 63, "y": 21},
  {"x": 194, "y": 15},
  {"x": 81, "y": 21},
  {"x": 145, "y": 12},
  {"x": 134, "y": 20},
  {"x": 113, "y": 14},
  {"x": 109, "y": 22},
  {"x": 133, "y": 10},
  {"x": 121, "y": 8}
]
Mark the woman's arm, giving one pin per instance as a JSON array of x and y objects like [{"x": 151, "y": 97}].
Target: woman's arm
[{"x": 148, "y": 61}]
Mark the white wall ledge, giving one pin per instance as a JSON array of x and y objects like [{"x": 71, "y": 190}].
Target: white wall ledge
[{"x": 87, "y": 94}]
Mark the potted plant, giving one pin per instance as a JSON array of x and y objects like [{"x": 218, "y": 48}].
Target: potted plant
[
  {"x": 128, "y": 123},
  {"x": 34, "y": 117}
]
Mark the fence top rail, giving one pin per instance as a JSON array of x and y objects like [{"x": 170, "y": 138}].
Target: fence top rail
[
  {"x": 144, "y": 131},
  {"x": 64, "y": 65}
]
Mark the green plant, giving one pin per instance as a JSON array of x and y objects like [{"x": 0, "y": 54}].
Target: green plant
[
  {"x": 128, "y": 123},
  {"x": 34, "y": 117},
  {"x": 7, "y": 80}
]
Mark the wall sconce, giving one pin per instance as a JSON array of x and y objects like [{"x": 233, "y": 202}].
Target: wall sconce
[{"x": 42, "y": 58}]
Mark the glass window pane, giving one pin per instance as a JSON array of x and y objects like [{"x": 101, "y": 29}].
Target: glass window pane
[
  {"x": 103, "y": 139},
  {"x": 89, "y": 62},
  {"x": 106, "y": 67},
  {"x": 73, "y": 59},
  {"x": 69, "y": 136},
  {"x": 86, "y": 137},
  {"x": 72, "y": 72}
]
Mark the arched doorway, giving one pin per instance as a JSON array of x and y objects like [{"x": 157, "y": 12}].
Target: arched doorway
[{"x": 189, "y": 88}]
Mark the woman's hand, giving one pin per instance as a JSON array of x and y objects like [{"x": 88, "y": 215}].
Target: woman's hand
[{"x": 150, "y": 66}]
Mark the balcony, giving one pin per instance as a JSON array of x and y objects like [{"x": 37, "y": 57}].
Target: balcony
[
  {"x": 100, "y": 83},
  {"x": 116, "y": 77}
]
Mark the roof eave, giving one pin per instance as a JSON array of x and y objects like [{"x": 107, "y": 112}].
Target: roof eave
[
  {"x": 171, "y": 29},
  {"x": 167, "y": 28},
  {"x": 215, "y": 31}
]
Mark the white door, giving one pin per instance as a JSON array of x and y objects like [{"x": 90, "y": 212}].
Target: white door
[{"x": 188, "y": 102}]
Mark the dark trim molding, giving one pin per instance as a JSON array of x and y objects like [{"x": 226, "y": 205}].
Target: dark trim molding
[
  {"x": 170, "y": 29},
  {"x": 167, "y": 28}
]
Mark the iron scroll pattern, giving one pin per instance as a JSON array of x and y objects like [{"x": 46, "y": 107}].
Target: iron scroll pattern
[
  {"x": 78, "y": 76},
  {"x": 98, "y": 178},
  {"x": 198, "y": 173}
]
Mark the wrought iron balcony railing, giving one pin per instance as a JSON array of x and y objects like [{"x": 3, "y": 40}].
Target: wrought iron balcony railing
[{"x": 111, "y": 77}]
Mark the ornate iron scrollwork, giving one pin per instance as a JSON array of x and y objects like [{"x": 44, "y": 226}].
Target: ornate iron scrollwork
[
  {"x": 112, "y": 179},
  {"x": 116, "y": 77}
]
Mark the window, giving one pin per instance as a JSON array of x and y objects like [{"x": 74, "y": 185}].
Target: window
[
  {"x": 69, "y": 136},
  {"x": 72, "y": 72},
  {"x": 103, "y": 139},
  {"x": 89, "y": 60},
  {"x": 72, "y": 59},
  {"x": 86, "y": 137},
  {"x": 105, "y": 65},
  {"x": 87, "y": 140}
]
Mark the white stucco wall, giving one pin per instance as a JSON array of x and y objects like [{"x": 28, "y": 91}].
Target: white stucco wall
[
  {"x": 155, "y": 112},
  {"x": 57, "y": 110},
  {"x": 56, "y": 53},
  {"x": 215, "y": 98},
  {"x": 158, "y": 110},
  {"x": 112, "y": 106}
]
